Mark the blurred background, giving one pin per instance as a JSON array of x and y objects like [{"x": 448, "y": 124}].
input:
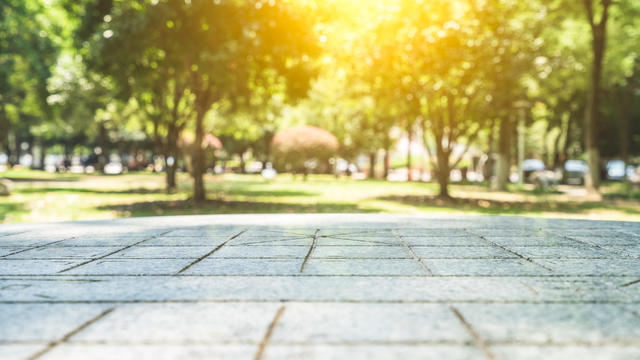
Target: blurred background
[{"x": 117, "y": 108}]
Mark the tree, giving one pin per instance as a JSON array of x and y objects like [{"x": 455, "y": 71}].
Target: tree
[
  {"x": 27, "y": 54},
  {"x": 597, "y": 12}
]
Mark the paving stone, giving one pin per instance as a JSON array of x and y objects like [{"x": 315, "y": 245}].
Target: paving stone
[
  {"x": 272, "y": 241},
  {"x": 484, "y": 267},
  {"x": 563, "y": 252},
  {"x": 164, "y": 252},
  {"x": 43, "y": 322},
  {"x": 610, "y": 352},
  {"x": 462, "y": 252},
  {"x": 353, "y": 323},
  {"x": 113, "y": 266},
  {"x": 296, "y": 252},
  {"x": 213, "y": 266},
  {"x": 609, "y": 241},
  {"x": 446, "y": 241},
  {"x": 185, "y": 241},
  {"x": 33, "y": 267},
  {"x": 593, "y": 266},
  {"x": 203, "y": 232},
  {"x": 361, "y": 251},
  {"x": 371, "y": 352},
  {"x": 363, "y": 267},
  {"x": 54, "y": 252},
  {"x": 18, "y": 351},
  {"x": 549, "y": 323},
  {"x": 179, "y": 323},
  {"x": 74, "y": 351},
  {"x": 531, "y": 241}
]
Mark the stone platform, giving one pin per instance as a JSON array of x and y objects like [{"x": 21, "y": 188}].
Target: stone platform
[{"x": 320, "y": 287}]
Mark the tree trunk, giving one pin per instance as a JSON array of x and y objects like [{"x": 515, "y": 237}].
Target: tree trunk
[
  {"x": 625, "y": 105},
  {"x": 443, "y": 173},
  {"x": 372, "y": 164},
  {"x": 387, "y": 156},
  {"x": 592, "y": 113},
  {"x": 198, "y": 157},
  {"x": 243, "y": 165},
  {"x": 171, "y": 156},
  {"x": 501, "y": 173},
  {"x": 409, "y": 138}
]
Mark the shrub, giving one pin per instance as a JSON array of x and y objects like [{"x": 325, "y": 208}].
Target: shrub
[{"x": 303, "y": 149}]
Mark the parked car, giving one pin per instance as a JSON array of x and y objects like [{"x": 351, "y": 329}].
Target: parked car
[
  {"x": 615, "y": 170},
  {"x": 530, "y": 166},
  {"x": 575, "y": 171},
  {"x": 114, "y": 166}
]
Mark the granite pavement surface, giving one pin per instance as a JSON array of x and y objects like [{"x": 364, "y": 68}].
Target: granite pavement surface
[{"x": 320, "y": 287}]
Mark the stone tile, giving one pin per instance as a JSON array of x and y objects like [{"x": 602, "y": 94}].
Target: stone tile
[
  {"x": 446, "y": 241},
  {"x": 24, "y": 243},
  {"x": 354, "y": 231},
  {"x": 43, "y": 322},
  {"x": 633, "y": 250},
  {"x": 295, "y": 252},
  {"x": 389, "y": 267},
  {"x": 73, "y": 351},
  {"x": 204, "y": 232},
  {"x": 371, "y": 352},
  {"x": 19, "y": 351},
  {"x": 112, "y": 266},
  {"x": 608, "y": 241},
  {"x": 178, "y": 323},
  {"x": 609, "y": 352},
  {"x": 353, "y": 323},
  {"x": 563, "y": 252},
  {"x": 436, "y": 232},
  {"x": 272, "y": 241},
  {"x": 462, "y": 252},
  {"x": 593, "y": 266},
  {"x": 33, "y": 267},
  {"x": 185, "y": 241},
  {"x": 363, "y": 251},
  {"x": 51, "y": 252},
  {"x": 355, "y": 241},
  {"x": 164, "y": 252},
  {"x": 484, "y": 267},
  {"x": 509, "y": 241},
  {"x": 214, "y": 266},
  {"x": 101, "y": 242},
  {"x": 551, "y": 323}
]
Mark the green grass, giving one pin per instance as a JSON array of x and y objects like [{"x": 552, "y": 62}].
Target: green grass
[{"x": 39, "y": 196}]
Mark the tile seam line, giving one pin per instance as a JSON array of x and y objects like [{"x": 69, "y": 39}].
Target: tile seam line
[
  {"x": 38, "y": 247},
  {"x": 413, "y": 254},
  {"x": 211, "y": 252},
  {"x": 262, "y": 346},
  {"x": 478, "y": 341},
  {"x": 314, "y": 243},
  {"x": 525, "y": 258},
  {"x": 70, "y": 334},
  {"x": 111, "y": 253}
]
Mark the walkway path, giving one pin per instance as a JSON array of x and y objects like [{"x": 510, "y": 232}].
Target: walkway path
[{"x": 320, "y": 287}]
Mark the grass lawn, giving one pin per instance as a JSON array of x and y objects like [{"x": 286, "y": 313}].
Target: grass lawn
[{"x": 40, "y": 196}]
